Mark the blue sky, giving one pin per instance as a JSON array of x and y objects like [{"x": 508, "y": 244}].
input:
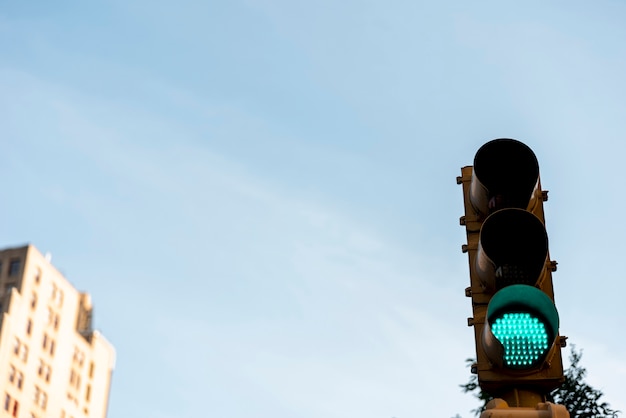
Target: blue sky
[{"x": 261, "y": 196}]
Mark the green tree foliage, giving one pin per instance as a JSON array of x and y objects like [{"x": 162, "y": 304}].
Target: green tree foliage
[
  {"x": 472, "y": 386},
  {"x": 580, "y": 399}
]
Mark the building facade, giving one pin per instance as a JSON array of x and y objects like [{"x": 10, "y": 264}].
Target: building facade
[{"x": 52, "y": 363}]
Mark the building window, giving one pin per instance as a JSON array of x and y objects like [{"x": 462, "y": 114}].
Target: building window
[
  {"x": 11, "y": 405},
  {"x": 15, "y": 266},
  {"x": 53, "y": 290},
  {"x": 79, "y": 356},
  {"x": 52, "y": 318},
  {"x": 20, "y": 349},
  {"x": 59, "y": 298},
  {"x": 40, "y": 398},
  {"x": 73, "y": 399},
  {"x": 23, "y": 352},
  {"x": 16, "y": 377},
  {"x": 75, "y": 379},
  {"x": 91, "y": 367},
  {"x": 44, "y": 370},
  {"x": 29, "y": 326},
  {"x": 38, "y": 276},
  {"x": 88, "y": 393},
  {"x": 73, "y": 376},
  {"x": 33, "y": 300},
  {"x": 48, "y": 344},
  {"x": 11, "y": 373},
  {"x": 19, "y": 380}
]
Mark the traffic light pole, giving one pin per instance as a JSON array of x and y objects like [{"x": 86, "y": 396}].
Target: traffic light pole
[{"x": 498, "y": 408}]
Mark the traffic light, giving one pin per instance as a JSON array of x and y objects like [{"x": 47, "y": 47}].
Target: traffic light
[{"x": 516, "y": 324}]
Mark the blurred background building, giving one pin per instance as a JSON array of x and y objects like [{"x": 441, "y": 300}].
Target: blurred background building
[{"x": 52, "y": 362}]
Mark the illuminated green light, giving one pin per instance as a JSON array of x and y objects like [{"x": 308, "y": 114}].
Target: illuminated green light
[
  {"x": 522, "y": 327},
  {"x": 523, "y": 337}
]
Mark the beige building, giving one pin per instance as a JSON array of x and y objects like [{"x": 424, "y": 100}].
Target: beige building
[{"x": 52, "y": 363}]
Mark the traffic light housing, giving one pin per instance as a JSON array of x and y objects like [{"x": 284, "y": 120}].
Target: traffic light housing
[{"x": 516, "y": 324}]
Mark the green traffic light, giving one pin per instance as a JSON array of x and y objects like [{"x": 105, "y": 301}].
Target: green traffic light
[
  {"x": 523, "y": 337},
  {"x": 524, "y": 322}
]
